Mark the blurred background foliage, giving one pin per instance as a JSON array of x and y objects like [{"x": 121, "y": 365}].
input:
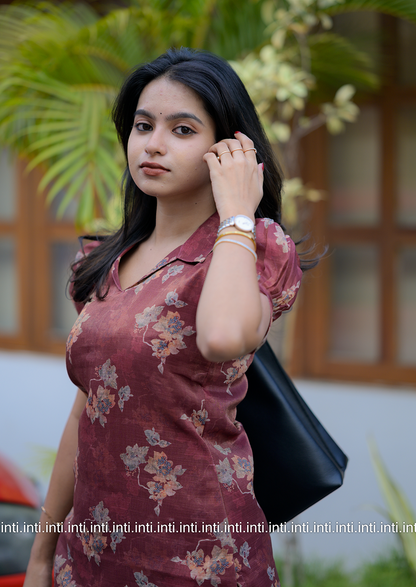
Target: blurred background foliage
[{"x": 61, "y": 66}]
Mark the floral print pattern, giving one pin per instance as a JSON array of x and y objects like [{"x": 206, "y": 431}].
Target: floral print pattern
[
  {"x": 92, "y": 534},
  {"x": 244, "y": 552},
  {"x": 242, "y": 467},
  {"x": 224, "y": 451},
  {"x": 142, "y": 580},
  {"x": 107, "y": 373},
  {"x": 153, "y": 438},
  {"x": 239, "y": 367},
  {"x": 141, "y": 285},
  {"x": 94, "y": 543},
  {"x": 165, "y": 478},
  {"x": 164, "y": 483},
  {"x": 198, "y": 418},
  {"x": 172, "y": 300},
  {"x": 267, "y": 222},
  {"x": 76, "y": 330},
  {"x": 172, "y": 271},
  {"x": 271, "y": 573},
  {"x": 203, "y": 568},
  {"x": 124, "y": 395},
  {"x": 223, "y": 534},
  {"x": 281, "y": 239},
  {"x": 98, "y": 406},
  {"x": 208, "y": 568},
  {"x": 158, "y": 441},
  {"x": 285, "y": 298},
  {"x": 63, "y": 574},
  {"x": 116, "y": 537},
  {"x": 147, "y": 316},
  {"x": 170, "y": 341}
]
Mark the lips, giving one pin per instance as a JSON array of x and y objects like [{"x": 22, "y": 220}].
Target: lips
[
  {"x": 151, "y": 168},
  {"x": 153, "y": 165}
]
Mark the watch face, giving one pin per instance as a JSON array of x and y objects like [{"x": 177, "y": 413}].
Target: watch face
[{"x": 244, "y": 223}]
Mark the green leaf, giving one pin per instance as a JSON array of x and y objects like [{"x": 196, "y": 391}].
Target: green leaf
[
  {"x": 335, "y": 62},
  {"x": 65, "y": 181},
  {"x": 400, "y": 8},
  {"x": 110, "y": 163},
  {"x": 85, "y": 210},
  {"x": 60, "y": 165},
  {"x": 398, "y": 507},
  {"x": 58, "y": 149},
  {"x": 73, "y": 188},
  {"x": 64, "y": 139}
]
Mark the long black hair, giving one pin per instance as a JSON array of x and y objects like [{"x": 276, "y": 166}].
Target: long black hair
[{"x": 227, "y": 102}]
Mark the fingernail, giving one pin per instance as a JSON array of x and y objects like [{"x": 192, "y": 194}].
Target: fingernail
[
  {"x": 262, "y": 166},
  {"x": 237, "y": 132}
]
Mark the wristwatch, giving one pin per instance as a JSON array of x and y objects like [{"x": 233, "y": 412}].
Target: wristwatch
[{"x": 241, "y": 222}]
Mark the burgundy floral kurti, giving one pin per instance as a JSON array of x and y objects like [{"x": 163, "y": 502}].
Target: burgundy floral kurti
[{"x": 164, "y": 472}]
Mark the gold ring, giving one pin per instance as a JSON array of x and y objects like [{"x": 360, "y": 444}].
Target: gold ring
[
  {"x": 236, "y": 150},
  {"x": 251, "y": 149},
  {"x": 218, "y": 156}
]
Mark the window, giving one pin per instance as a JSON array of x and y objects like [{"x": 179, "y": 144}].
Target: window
[
  {"x": 358, "y": 319},
  {"x": 35, "y": 253}
]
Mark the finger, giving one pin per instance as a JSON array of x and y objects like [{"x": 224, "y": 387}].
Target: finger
[
  {"x": 219, "y": 147},
  {"x": 246, "y": 143},
  {"x": 232, "y": 145},
  {"x": 260, "y": 173},
  {"x": 211, "y": 159}
]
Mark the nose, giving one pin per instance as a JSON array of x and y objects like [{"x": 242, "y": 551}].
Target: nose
[{"x": 156, "y": 144}]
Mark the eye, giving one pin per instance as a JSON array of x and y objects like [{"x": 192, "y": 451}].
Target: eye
[
  {"x": 184, "y": 130},
  {"x": 143, "y": 126}
]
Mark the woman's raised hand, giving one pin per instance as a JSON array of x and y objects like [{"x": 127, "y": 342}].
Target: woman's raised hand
[{"x": 236, "y": 177}]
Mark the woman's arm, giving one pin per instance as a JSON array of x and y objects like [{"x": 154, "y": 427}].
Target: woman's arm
[
  {"x": 232, "y": 315},
  {"x": 58, "y": 501}
]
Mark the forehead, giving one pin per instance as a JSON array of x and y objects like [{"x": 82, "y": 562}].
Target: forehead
[{"x": 165, "y": 93}]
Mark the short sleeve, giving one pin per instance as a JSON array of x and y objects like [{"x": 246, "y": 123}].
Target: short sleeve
[
  {"x": 86, "y": 250},
  {"x": 278, "y": 266}
]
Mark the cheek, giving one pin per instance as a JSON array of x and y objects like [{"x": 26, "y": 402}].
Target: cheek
[
  {"x": 134, "y": 146},
  {"x": 130, "y": 149}
]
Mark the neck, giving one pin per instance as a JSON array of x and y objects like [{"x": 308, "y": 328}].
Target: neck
[{"x": 177, "y": 220}]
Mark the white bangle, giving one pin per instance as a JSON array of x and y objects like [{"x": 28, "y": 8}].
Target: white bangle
[{"x": 229, "y": 240}]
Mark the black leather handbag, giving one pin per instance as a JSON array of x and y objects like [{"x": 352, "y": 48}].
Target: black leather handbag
[{"x": 296, "y": 462}]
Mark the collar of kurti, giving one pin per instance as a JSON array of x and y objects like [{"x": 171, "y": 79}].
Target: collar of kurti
[{"x": 194, "y": 250}]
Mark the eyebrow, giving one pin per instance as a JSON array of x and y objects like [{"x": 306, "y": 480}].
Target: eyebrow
[{"x": 174, "y": 116}]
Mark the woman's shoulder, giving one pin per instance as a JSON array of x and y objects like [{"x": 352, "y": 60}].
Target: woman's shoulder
[
  {"x": 271, "y": 238},
  {"x": 278, "y": 265},
  {"x": 87, "y": 244}
]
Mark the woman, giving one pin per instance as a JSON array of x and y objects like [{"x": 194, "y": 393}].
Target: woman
[{"x": 173, "y": 306}]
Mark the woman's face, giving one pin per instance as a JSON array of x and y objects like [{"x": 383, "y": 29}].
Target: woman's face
[{"x": 171, "y": 133}]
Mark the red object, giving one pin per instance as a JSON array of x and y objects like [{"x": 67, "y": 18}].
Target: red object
[
  {"x": 12, "y": 580},
  {"x": 159, "y": 409},
  {"x": 15, "y": 487}
]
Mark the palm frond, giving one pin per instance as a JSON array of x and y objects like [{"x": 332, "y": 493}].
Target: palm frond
[
  {"x": 335, "y": 61},
  {"x": 235, "y": 28},
  {"x": 405, "y": 9},
  {"x": 61, "y": 66}
]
